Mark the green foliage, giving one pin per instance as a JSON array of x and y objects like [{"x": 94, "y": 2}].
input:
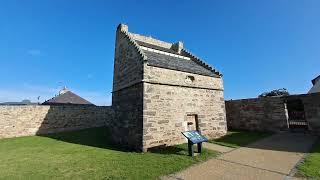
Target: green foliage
[
  {"x": 87, "y": 154},
  {"x": 277, "y": 92},
  {"x": 239, "y": 138},
  {"x": 311, "y": 166}
]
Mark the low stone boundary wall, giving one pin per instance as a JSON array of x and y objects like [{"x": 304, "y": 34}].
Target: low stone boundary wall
[
  {"x": 270, "y": 113},
  {"x": 28, "y": 120},
  {"x": 258, "y": 114}
]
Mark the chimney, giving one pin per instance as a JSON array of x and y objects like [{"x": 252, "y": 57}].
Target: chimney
[
  {"x": 64, "y": 90},
  {"x": 123, "y": 27},
  {"x": 178, "y": 46}
]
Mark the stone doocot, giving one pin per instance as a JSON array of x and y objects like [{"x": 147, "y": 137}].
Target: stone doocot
[
  {"x": 29, "y": 120},
  {"x": 270, "y": 113},
  {"x": 153, "y": 104}
]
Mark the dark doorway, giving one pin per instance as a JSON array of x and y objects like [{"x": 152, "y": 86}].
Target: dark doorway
[
  {"x": 296, "y": 115},
  {"x": 192, "y": 122}
]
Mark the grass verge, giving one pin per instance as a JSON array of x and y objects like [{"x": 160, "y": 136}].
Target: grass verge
[
  {"x": 87, "y": 154},
  {"x": 310, "y": 167},
  {"x": 236, "y": 139}
]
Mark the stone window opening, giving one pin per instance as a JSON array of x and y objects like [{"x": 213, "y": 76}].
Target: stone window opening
[
  {"x": 192, "y": 122},
  {"x": 189, "y": 79}
]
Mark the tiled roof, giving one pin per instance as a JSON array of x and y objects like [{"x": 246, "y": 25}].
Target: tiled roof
[{"x": 67, "y": 98}]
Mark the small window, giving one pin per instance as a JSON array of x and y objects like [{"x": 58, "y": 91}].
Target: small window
[{"x": 189, "y": 79}]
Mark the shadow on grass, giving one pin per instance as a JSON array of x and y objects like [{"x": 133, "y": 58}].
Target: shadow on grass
[
  {"x": 283, "y": 141},
  {"x": 178, "y": 150},
  {"x": 239, "y": 138},
  {"x": 100, "y": 137},
  {"x": 96, "y": 137}
]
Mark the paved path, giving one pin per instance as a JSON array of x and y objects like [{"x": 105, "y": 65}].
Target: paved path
[
  {"x": 216, "y": 147},
  {"x": 270, "y": 158}
]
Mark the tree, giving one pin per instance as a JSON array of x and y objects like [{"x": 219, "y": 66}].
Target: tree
[{"x": 276, "y": 92}]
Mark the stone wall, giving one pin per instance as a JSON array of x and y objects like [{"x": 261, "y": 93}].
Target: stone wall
[
  {"x": 172, "y": 77},
  {"x": 169, "y": 99},
  {"x": 258, "y": 114},
  {"x": 166, "y": 109},
  {"x": 127, "y": 92},
  {"x": 270, "y": 113},
  {"x": 18, "y": 121},
  {"x": 150, "y": 40},
  {"x": 128, "y": 63},
  {"x": 127, "y": 124}
]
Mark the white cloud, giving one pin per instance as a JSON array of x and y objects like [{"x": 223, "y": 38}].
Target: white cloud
[
  {"x": 31, "y": 92},
  {"x": 34, "y": 52}
]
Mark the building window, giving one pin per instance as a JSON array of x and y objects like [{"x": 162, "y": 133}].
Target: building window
[{"x": 189, "y": 79}]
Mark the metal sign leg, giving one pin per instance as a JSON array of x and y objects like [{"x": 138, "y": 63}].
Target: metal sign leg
[
  {"x": 190, "y": 148},
  {"x": 199, "y": 147}
]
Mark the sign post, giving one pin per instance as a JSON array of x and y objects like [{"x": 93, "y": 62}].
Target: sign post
[{"x": 194, "y": 137}]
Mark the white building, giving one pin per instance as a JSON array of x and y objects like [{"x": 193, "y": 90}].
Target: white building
[{"x": 316, "y": 85}]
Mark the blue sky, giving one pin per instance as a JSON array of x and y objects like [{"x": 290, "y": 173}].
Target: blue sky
[{"x": 257, "y": 45}]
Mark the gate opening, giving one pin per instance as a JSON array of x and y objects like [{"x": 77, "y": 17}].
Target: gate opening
[{"x": 296, "y": 115}]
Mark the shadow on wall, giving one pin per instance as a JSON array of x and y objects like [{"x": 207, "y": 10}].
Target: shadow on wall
[
  {"x": 78, "y": 124},
  {"x": 62, "y": 118}
]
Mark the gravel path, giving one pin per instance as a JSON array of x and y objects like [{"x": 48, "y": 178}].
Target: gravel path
[{"x": 270, "y": 158}]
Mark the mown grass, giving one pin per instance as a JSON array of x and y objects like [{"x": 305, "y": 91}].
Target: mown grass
[
  {"x": 310, "y": 168},
  {"x": 236, "y": 139},
  {"x": 87, "y": 154}
]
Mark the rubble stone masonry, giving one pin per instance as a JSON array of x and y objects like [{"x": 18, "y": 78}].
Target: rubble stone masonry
[
  {"x": 270, "y": 113},
  {"x": 257, "y": 114},
  {"x": 169, "y": 98},
  {"x": 29, "y": 120},
  {"x": 126, "y": 127}
]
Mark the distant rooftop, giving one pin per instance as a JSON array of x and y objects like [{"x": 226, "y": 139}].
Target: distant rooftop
[
  {"x": 67, "y": 97},
  {"x": 315, "y": 80}
]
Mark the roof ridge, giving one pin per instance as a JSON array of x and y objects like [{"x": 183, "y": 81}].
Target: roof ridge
[
  {"x": 201, "y": 62},
  {"x": 67, "y": 94},
  {"x": 135, "y": 44}
]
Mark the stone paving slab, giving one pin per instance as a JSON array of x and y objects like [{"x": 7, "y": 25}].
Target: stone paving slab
[
  {"x": 271, "y": 158},
  {"x": 216, "y": 147}
]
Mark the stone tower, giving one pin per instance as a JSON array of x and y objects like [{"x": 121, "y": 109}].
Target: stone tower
[{"x": 159, "y": 90}]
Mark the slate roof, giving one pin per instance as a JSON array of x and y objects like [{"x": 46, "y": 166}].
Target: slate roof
[
  {"x": 175, "y": 63},
  {"x": 194, "y": 65},
  {"x": 315, "y": 80},
  {"x": 68, "y": 98}
]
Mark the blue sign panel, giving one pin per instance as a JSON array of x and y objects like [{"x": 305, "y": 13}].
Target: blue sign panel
[{"x": 194, "y": 136}]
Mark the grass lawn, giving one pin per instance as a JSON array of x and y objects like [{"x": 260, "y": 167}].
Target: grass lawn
[
  {"x": 87, "y": 154},
  {"x": 236, "y": 139},
  {"x": 311, "y": 165}
]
